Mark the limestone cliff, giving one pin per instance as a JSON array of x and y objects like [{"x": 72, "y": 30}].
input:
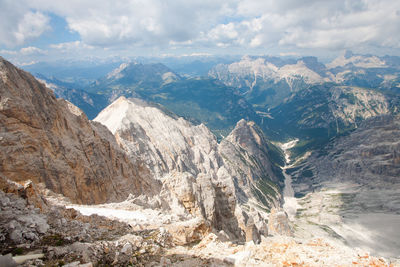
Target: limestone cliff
[
  {"x": 253, "y": 163},
  {"x": 51, "y": 141},
  {"x": 212, "y": 181},
  {"x": 369, "y": 156}
]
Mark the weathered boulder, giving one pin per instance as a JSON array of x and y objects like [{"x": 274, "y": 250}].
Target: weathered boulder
[{"x": 278, "y": 223}]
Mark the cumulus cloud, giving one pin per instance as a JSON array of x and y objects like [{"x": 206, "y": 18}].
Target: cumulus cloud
[
  {"x": 65, "y": 47},
  {"x": 323, "y": 24},
  {"x": 32, "y": 25},
  {"x": 18, "y": 23},
  {"x": 137, "y": 22},
  {"x": 7, "y": 52},
  {"x": 31, "y": 50},
  {"x": 290, "y": 24}
]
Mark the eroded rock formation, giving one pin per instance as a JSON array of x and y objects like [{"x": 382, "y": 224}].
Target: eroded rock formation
[
  {"x": 51, "y": 141},
  {"x": 230, "y": 184}
]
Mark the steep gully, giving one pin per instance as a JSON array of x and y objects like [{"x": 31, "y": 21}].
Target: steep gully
[{"x": 290, "y": 205}]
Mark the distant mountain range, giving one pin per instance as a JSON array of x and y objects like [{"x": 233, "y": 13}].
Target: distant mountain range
[
  {"x": 267, "y": 81},
  {"x": 288, "y": 98}
]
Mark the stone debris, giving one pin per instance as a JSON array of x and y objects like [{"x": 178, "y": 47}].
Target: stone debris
[
  {"x": 278, "y": 251},
  {"x": 64, "y": 236}
]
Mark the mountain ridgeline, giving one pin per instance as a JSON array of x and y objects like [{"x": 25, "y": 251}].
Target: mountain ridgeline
[
  {"x": 287, "y": 98},
  {"x": 200, "y": 100},
  {"x": 262, "y": 146},
  {"x": 178, "y": 167}
]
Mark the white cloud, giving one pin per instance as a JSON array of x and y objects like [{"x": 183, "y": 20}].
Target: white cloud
[
  {"x": 323, "y": 24},
  {"x": 26, "y": 63},
  {"x": 7, "y": 52},
  {"x": 175, "y": 24},
  {"x": 64, "y": 47},
  {"x": 31, "y": 50},
  {"x": 137, "y": 22},
  {"x": 19, "y": 24},
  {"x": 32, "y": 25}
]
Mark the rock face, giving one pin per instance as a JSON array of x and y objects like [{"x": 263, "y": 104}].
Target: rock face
[
  {"x": 267, "y": 81},
  {"x": 51, "y": 141},
  {"x": 164, "y": 143},
  {"x": 323, "y": 111},
  {"x": 352, "y": 186},
  {"x": 212, "y": 181},
  {"x": 368, "y": 156},
  {"x": 253, "y": 163}
]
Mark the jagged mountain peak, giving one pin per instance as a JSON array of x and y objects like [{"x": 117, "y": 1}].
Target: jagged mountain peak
[
  {"x": 197, "y": 173},
  {"x": 266, "y": 81},
  {"x": 167, "y": 137},
  {"x": 136, "y": 68},
  {"x": 349, "y": 59},
  {"x": 131, "y": 77},
  {"x": 245, "y": 131},
  {"x": 116, "y": 73},
  {"x": 256, "y": 70}
]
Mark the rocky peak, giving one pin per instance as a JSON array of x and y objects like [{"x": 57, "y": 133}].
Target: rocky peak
[
  {"x": 348, "y": 59},
  {"x": 199, "y": 176},
  {"x": 134, "y": 72},
  {"x": 254, "y": 164},
  {"x": 163, "y": 141},
  {"x": 43, "y": 141},
  {"x": 246, "y": 134}
]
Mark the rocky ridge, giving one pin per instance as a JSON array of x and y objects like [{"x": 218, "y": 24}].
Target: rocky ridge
[
  {"x": 246, "y": 73},
  {"x": 50, "y": 141},
  {"x": 201, "y": 177},
  {"x": 347, "y": 69}
]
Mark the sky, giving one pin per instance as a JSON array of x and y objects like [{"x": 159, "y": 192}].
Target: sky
[{"x": 40, "y": 30}]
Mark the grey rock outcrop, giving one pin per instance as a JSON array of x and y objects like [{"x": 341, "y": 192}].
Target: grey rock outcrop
[
  {"x": 50, "y": 141},
  {"x": 249, "y": 158},
  {"x": 64, "y": 236},
  {"x": 200, "y": 177},
  {"x": 369, "y": 156}
]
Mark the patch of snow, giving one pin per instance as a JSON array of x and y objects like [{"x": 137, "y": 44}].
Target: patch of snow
[
  {"x": 116, "y": 214},
  {"x": 23, "y": 258},
  {"x": 286, "y": 146}
]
